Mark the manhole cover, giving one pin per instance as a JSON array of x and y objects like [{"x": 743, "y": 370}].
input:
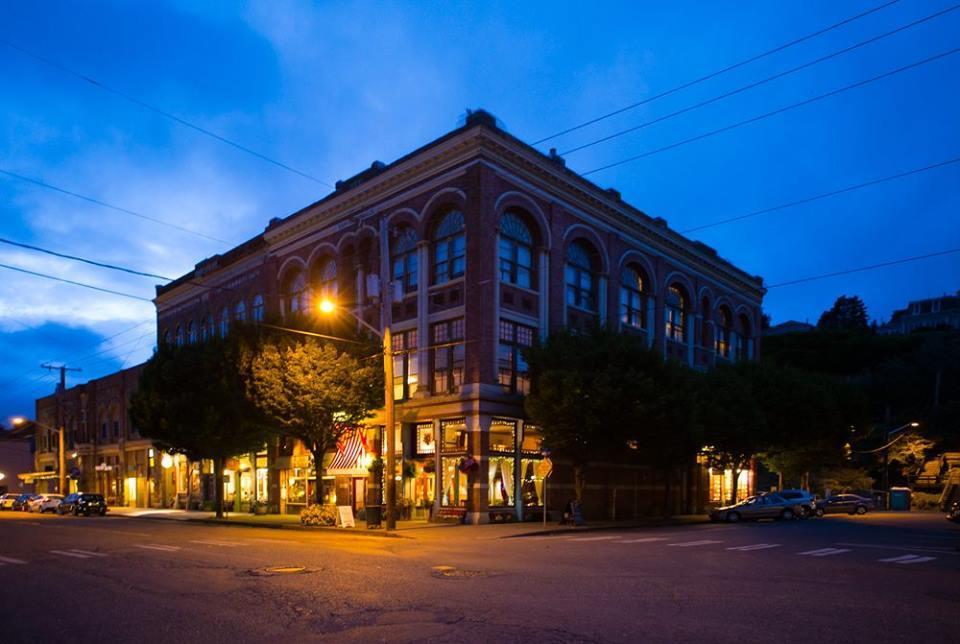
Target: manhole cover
[
  {"x": 450, "y": 572},
  {"x": 280, "y": 570}
]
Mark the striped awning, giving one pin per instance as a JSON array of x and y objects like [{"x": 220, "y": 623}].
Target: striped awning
[{"x": 348, "y": 459}]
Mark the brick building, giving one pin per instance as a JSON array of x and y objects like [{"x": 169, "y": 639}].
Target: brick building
[{"x": 488, "y": 243}]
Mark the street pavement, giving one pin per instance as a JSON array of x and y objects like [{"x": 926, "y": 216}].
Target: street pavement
[{"x": 878, "y": 578}]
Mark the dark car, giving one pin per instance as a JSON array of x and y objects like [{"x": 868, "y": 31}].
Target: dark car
[
  {"x": 845, "y": 504},
  {"x": 83, "y": 503},
  {"x": 762, "y": 506},
  {"x": 953, "y": 512},
  {"x": 20, "y": 503}
]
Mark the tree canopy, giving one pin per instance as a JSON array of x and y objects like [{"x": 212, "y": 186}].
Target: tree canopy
[{"x": 846, "y": 314}]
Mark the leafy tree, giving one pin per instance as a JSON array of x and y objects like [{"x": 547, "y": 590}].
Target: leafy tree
[
  {"x": 191, "y": 400},
  {"x": 843, "y": 478},
  {"x": 586, "y": 394},
  {"x": 313, "y": 392},
  {"x": 846, "y": 314},
  {"x": 910, "y": 451}
]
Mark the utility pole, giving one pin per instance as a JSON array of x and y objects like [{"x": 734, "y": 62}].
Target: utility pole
[{"x": 61, "y": 422}]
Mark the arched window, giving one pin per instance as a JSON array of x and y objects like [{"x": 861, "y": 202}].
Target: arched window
[
  {"x": 743, "y": 340},
  {"x": 633, "y": 303},
  {"x": 724, "y": 329},
  {"x": 258, "y": 308},
  {"x": 581, "y": 276},
  {"x": 192, "y": 333},
  {"x": 404, "y": 259},
  {"x": 326, "y": 280},
  {"x": 449, "y": 248},
  {"x": 240, "y": 311},
  {"x": 224, "y": 322},
  {"x": 515, "y": 251},
  {"x": 166, "y": 337},
  {"x": 297, "y": 295},
  {"x": 205, "y": 329},
  {"x": 179, "y": 336},
  {"x": 676, "y": 311}
]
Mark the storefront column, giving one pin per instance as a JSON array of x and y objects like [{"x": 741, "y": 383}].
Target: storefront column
[
  {"x": 517, "y": 474},
  {"x": 478, "y": 500},
  {"x": 438, "y": 472}
]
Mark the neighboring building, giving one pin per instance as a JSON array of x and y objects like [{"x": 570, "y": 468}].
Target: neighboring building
[
  {"x": 791, "y": 326},
  {"x": 491, "y": 244},
  {"x": 16, "y": 457},
  {"x": 933, "y": 313}
]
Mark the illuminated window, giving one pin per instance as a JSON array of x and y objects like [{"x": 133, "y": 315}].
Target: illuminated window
[
  {"x": 449, "y": 248},
  {"x": 326, "y": 279},
  {"x": 405, "y": 264},
  {"x": 633, "y": 310},
  {"x": 405, "y": 376},
  {"x": 512, "y": 370},
  {"x": 676, "y": 314},
  {"x": 192, "y": 332},
  {"x": 723, "y": 332},
  {"x": 298, "y": 298},
  {"x": 447, "y": 355},
  {"x": 240, "y": 311},
  {"x": 515, "y": 251},
  {"x": 179, "y": 336},
  {"x": 224, "y": 322},
  {"x": 258, "y": 308},
  {"x": 581, "y": 276}
]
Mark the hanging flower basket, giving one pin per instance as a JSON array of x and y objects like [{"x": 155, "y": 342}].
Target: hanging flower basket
[{"x": 468, "y": 464}]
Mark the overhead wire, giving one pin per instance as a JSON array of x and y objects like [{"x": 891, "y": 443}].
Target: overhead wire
[
  {"x": 159, "y": 111},
  {"x": 76, "y": 258},
  {"x": 760, "y": 82},
  {"x": 718, "y": 72},
  {"x": 779, "y": 110},
  {"x": 75, "y": 283}
]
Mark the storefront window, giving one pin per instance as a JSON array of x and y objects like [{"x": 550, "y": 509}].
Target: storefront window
[
  {"x": 531, "y": 482},
  {"x": 454, "y": 433},
  {"x": 453, "y": 441},
  {"x": 500, "y": 485}
]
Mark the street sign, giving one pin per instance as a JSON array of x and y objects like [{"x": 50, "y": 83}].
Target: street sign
[{"x": 544, "y": 468}]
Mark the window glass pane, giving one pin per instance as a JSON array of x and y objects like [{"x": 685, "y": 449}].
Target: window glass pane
[
  {"x": 523, "y": 278},
  {"x": 454, "y": 436},
  {"x": 501, "y": 435}
]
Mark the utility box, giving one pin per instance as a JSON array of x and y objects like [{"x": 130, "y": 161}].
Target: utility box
[{"x": 900, "y": 498}]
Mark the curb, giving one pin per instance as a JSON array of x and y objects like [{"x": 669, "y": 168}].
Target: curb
[
  {"x": 273, "y": 526},
  {"x": 602, "y": 528}
]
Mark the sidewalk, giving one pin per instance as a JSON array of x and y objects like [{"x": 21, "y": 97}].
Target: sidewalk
[{"x": 409, "y": 528}]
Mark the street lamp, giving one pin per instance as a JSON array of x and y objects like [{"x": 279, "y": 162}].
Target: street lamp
[
  {"x": 62, "y": 458},
  {"x": 328, "y": 307}
]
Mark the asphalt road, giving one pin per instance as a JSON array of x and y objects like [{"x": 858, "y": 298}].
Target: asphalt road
[{"x": 878, "y": 578}]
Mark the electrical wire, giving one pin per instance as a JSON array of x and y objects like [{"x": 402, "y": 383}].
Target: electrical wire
[
  {"x": 861, "y": 269},
  {"x": 66, "y": 281},
  {"x": 718, "y": 72},
  {"x": 133, "y": 213},
  {"x": 779, "y": 110},
  {"x": 83, "y": 259},
  {"x": 763, "y": 81},
  {"x": 822, "y": 195},
  {"x": 156, "y": 110}
]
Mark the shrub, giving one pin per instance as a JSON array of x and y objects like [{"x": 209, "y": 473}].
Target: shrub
[
  {"x": 319, "y": 515},
  {"x": 925, "y": 501}
]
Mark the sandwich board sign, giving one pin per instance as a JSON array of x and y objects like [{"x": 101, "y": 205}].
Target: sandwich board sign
[{"x": 346, "y": 516}]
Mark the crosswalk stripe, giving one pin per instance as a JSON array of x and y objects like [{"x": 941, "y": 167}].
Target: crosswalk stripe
[
  {"x": 157, "y": 547},
  {"x": 756, "y": 546},
  {"x": 644, "y": 540},
  {"x": 906, "y": 559},
  {"x": 593, "y": 538},
  {"x": 226, "y": 544},
  {"x": 685, "y": 544},
  {"x": 825, "y": 552},
  {"x": 88, "y": 552},
  {"x": 11, "y": 560},
  {"x": 66, "y": 553}
]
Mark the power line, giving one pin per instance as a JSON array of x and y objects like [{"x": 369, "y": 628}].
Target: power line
[
  {"x": 66, "y": 281},
  {"x": 718, "y": 72},
  {"x": 779, "y": 110},
  {"x": 758, "y": 83},
  {"x": 84, "y": 260},
  {"x": 159, "y": 111},
  {"x": 822, "y": 195},
  {"x": 865, "y": 268},
  {"x": 126, "y": 211}
]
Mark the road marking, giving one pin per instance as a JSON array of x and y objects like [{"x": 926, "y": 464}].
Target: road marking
[
  {"x": 88, "y": 552},
  {"x": 645, "y": 540},
  {"x": 825, "y": 552},
  {"x": 686, "y": 544},
  {"x": 226, "y": 544},
  {"x": 907, "y": 559},
  {"x": 66, "y": 553},
  {"x": 275, "y": 541},
  {"x": 157, "y": 547},
  {"x": 11, "y": 560},
  {"x": 940, "y": 551},
  {"x": 756, "y": 546},
  {"x": 594, "y": 538}
]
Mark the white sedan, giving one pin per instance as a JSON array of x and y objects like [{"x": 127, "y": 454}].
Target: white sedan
[{"x": 44, "y": 503}]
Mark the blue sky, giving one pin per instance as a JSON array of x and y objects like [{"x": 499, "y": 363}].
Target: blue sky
[{"x": 329, "y": 87}]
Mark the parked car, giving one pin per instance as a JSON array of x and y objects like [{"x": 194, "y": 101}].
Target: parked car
[
  {"x": 6, "y": 501},
  {"x": 82, "y": 503},
  {"x": 845, "y": 503},
  {"x": 44, "y": 503},
  {"x": 20, "y": 503},
  {"x": 762, "y": 506},
  {"x": 806, "y": 501},
  {"x": 953, "y": 512}
]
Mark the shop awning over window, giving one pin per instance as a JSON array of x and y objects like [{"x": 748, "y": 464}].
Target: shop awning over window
[
  {"x": 30, "y": 477},
  {"x": 349, "y": 459}
]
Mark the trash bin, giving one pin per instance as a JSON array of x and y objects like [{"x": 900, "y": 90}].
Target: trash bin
[
  {"x": 373, "y": 516},
  {"x": 900, "y": 499}
]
